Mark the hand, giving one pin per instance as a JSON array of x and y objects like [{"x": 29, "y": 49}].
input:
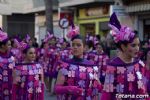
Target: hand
[{"x": 75, "y": 90}]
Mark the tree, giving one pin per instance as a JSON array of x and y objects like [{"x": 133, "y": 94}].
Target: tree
[{"x": 49, "y": 15}]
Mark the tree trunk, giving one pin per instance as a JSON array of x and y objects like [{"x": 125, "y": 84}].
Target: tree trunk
[{"x": 49, "y": 15}]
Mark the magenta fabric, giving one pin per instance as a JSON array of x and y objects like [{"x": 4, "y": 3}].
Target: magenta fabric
[
  {"x": 123, "y": 78},
  {"x": 7, "y": 63},
  {"x": 28, "y": 82},
  {"x": 82, "y": 74}
]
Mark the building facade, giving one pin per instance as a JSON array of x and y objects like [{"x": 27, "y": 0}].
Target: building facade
[
  {"x": 27, "y": 17},
  {"x": 91, "y": 15},
  {"x": 139, "y": 10}
]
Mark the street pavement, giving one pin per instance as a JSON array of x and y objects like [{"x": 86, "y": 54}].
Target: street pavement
[{"x": 49, "y": 97}]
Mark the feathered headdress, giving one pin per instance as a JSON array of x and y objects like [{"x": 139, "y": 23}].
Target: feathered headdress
[
  {"x": 73, "y": 31},
  {"x": 48, "y": 36},
  {"x": 23, "y": 45},
  {"x": 119, "y": 32},
  {"x": 3, "y": 35},
  {"x": 27, "y": 38},
  {"x": 17, "y": 42}
]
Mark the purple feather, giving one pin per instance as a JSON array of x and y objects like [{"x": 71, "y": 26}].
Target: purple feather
[
  {"x": 27, "y": 38},
  {"x": 114, "y": 21}
]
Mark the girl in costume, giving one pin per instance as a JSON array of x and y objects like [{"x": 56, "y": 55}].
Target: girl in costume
[
  {"x": 16, "y": 51},
  {"x": 124, "y": 75},
  {"x": 7, "y": 63},
  {"x": 28, "y": 81},
  {"x": 100, "y": 58},
  {"x": 77, "y": 78},
  {"x": 46, "y": 58},
  {"x": 65, "y": 50}
]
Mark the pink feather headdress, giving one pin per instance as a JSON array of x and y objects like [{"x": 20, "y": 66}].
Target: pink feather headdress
[
  {"x": 73, "y": 31},
  {"x": 48, "y": 36},
  {"x": 3, "y": 36},
  {"x": 120, "y": 32}
]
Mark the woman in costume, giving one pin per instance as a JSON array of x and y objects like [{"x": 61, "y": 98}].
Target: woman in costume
[
  {"x": 77, "y": 78},
  {"x": 124, "y": 76},
  {"x": 7, "y": 63},
  {"x": 28, "y": 81},
  {"x": 100, "y": 58},
  {"x": 16, "y": 51}
]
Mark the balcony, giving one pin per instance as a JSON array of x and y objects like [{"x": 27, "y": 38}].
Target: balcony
[
  {"x": 30, "y": 6},
  {"x": 66, "y": 3}
]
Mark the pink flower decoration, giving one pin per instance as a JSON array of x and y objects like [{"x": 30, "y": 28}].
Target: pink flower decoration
[
  {"x": 125, "y": 33},
  {"x": 73, "y": 32},
  {"x": 64, "y": 65},
  {"x": 131, "y": 77},
  {"x": 39, "y": 90},
  {"x": 120, "y": 70},
  {"x": 17, "y": 43},
  {"x": 5, "y": 72},
  {"x": 3, "y": 36},
  {"x": 30, "y": 90},
  {"x": 89, "y": 69},
  {"x": 140, "y": 84},
  {"x": 82, "y": 69},
  {"x": 36, "y": 77},
  {"x": 71, "y": 74},
  {"x": 10, "y": 66}
]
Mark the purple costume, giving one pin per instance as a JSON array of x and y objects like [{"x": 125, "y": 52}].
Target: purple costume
[
  {"x": 17, "y": 54},
  {"x": 7, "y": 63},
  {"x": 28, "y": 85},
  {"x": 99, "y": 59},
  {"x": 123, "y": 78},
  {"x": 79, "y": 74}
]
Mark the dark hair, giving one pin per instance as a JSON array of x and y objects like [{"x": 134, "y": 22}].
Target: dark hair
[
  {"x": 99, "y": 43},
  {"x": 77, "y": 37},
  {"x": 26, "y": 49},
  {"x": 98, "y": 37},
  {"x": 90, "y": 44},
  {"x": 12, "y": 43},
  {"x": 125, "y": 42},
  {"x": 35, "y": 38},
  {"x": 4, "y": 42},
  {"x": 64, "y": 40}
]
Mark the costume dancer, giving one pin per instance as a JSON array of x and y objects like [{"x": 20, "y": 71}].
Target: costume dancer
[
  {"x": 28, "y": 78},
  {"x": 7, "y": 63},
  {"x": 124, "y": 77},
  {"x": 77, "y": 78}
]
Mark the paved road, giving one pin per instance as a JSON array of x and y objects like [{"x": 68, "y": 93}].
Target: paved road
[{"x": 48, "y": 97}]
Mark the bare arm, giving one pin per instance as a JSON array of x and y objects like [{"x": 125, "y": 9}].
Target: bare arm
[
  {"x": 42, "y": 76},
  {"x": 60, "y": 79}
]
